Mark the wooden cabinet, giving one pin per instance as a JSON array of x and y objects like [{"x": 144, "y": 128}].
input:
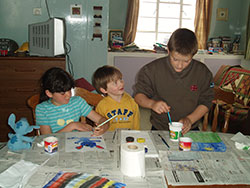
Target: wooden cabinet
[{"x": 19, "y": 79}]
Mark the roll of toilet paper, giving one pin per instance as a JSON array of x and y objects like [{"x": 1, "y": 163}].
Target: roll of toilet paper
[{"x": 133, "y": 159}]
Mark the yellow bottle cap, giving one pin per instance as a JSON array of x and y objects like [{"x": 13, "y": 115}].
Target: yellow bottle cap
[{"x": 140, "y": 140}]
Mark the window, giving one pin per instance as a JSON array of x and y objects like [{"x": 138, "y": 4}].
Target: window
[{"x": 159, "y": 18}]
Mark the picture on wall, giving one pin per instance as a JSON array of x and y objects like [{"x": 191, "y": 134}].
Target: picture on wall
[
  {"x": 116, "y": 39},
  {"x": 222, "y": 14},
  {"x": 115, "y": 33}
]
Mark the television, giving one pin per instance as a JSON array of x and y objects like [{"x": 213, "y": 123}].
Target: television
[{"x": 47, "y": 38}]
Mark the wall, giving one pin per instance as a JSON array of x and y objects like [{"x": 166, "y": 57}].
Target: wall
[
  {"x": 117, "y": 14},
  {"x": 236, "y": 23},
  {"x": 237, "y": 18},
  {"x": 15, "y": 15}
]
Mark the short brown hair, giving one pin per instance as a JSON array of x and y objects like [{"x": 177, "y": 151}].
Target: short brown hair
[
  {"x": 103, "y": 75},
  {"x": 183, "y": 41}
]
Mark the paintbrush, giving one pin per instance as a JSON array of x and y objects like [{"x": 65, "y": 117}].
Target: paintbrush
[
  {"x": 169, "y": 118},
  {"x": 106, "y": 121}
]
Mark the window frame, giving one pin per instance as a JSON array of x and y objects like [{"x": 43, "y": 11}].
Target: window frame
[{"x": 156, "y": 32}]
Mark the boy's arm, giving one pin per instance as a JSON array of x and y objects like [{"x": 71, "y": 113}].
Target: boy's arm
[
  {"x": 197, "y": 114},
  {"x": 144, "y": 101},
  {"x": 137, "y": 117},
  {"x": 98, "y": 119},
  {"x": 159, "y": 107}
]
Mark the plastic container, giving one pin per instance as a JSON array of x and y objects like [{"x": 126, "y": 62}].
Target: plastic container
[
  {"x": 185, "y": 143},
  {"x": 175, "y": 131},
  {"x": 50, "y": 144}
]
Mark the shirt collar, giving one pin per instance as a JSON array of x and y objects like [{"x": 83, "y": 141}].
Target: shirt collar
[{"x": 182, "y": 73}]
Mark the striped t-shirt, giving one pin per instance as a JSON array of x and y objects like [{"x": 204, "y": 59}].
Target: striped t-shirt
[{"x": 57, "y": 117}]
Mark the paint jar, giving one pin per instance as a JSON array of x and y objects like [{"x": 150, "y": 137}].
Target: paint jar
[
  {"x": 50, "y": 144},
  {"x": 140, "y": 140},
  {"x": 130, "y": 139},
  {"x": 185, "y": 143},
  {"x": 175, "y": 131}
]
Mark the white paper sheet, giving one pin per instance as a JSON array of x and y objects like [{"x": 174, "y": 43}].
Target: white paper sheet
[{"x": 240, "y": 138}]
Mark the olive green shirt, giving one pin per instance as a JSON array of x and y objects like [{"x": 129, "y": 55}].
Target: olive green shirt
[{"x": 182, "y": 91}]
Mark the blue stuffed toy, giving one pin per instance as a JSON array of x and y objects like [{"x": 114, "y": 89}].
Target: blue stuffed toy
[{"x": 18, "y": 141}]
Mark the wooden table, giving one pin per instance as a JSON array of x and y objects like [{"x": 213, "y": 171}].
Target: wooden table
[{"x": 107, "y": 163}]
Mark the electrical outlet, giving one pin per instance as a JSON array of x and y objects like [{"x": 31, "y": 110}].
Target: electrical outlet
[{"x": 37, "y": 11}]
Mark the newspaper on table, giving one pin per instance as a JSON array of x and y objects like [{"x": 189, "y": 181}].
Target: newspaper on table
[{"x": 205, "y": 169}]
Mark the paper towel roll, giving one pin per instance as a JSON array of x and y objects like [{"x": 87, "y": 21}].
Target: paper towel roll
[{"x": 133, "y": 159}]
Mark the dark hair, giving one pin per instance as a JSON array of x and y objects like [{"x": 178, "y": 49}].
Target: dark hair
[
  {"x": 103, "y": 75},
  {"x": 55, "y": 80},
  {"x": 183, "y": 41}
]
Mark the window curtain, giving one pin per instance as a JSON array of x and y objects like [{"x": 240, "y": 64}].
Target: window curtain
[
  {"x": 131, "y": 21},
  {"x": 202, "y": 21}
]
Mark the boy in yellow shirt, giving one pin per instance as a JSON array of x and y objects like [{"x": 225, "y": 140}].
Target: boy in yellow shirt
[{"x": 108, "y": 81}]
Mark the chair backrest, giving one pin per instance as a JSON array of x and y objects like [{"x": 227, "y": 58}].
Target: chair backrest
[
  {"x": 91, "y": 98},
  {"x": 225, "y": 96},
  {"x": 235, "y": 79},
  {"x": 32, "y": 102}
]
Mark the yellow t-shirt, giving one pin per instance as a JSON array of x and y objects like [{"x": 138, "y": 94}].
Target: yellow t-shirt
[{"x": 127, "y": 110}]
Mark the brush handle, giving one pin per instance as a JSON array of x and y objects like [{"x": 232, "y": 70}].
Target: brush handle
[
  {"x": 106, "y": 121},
  {"x": 169, "y": 118},
  {"x": 164, "y": 141}
]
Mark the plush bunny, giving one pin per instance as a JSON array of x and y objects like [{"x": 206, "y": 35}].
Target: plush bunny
[{"x": 18, "y": 141}]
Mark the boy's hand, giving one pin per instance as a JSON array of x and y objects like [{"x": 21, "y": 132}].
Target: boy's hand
[
  {"x": 101, "y": 130},
  {"x": 187, "y": 124},
  {"x": 160, "y": 107}
]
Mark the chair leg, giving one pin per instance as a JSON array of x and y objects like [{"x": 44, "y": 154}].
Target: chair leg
[
  {"x": 205, "y": 122},
  {"x": 210, "y": 114},
  {"x": 226, "y": 123},
  {"x": 216, "y": 112}
]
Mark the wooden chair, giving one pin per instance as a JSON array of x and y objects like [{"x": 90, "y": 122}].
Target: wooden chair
[
  {"x": 91, "y": 98},
  {"x": 221, "y": 98},
  {"x": 232, "y": 91},
  {"x": 32, "y": 102}
]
